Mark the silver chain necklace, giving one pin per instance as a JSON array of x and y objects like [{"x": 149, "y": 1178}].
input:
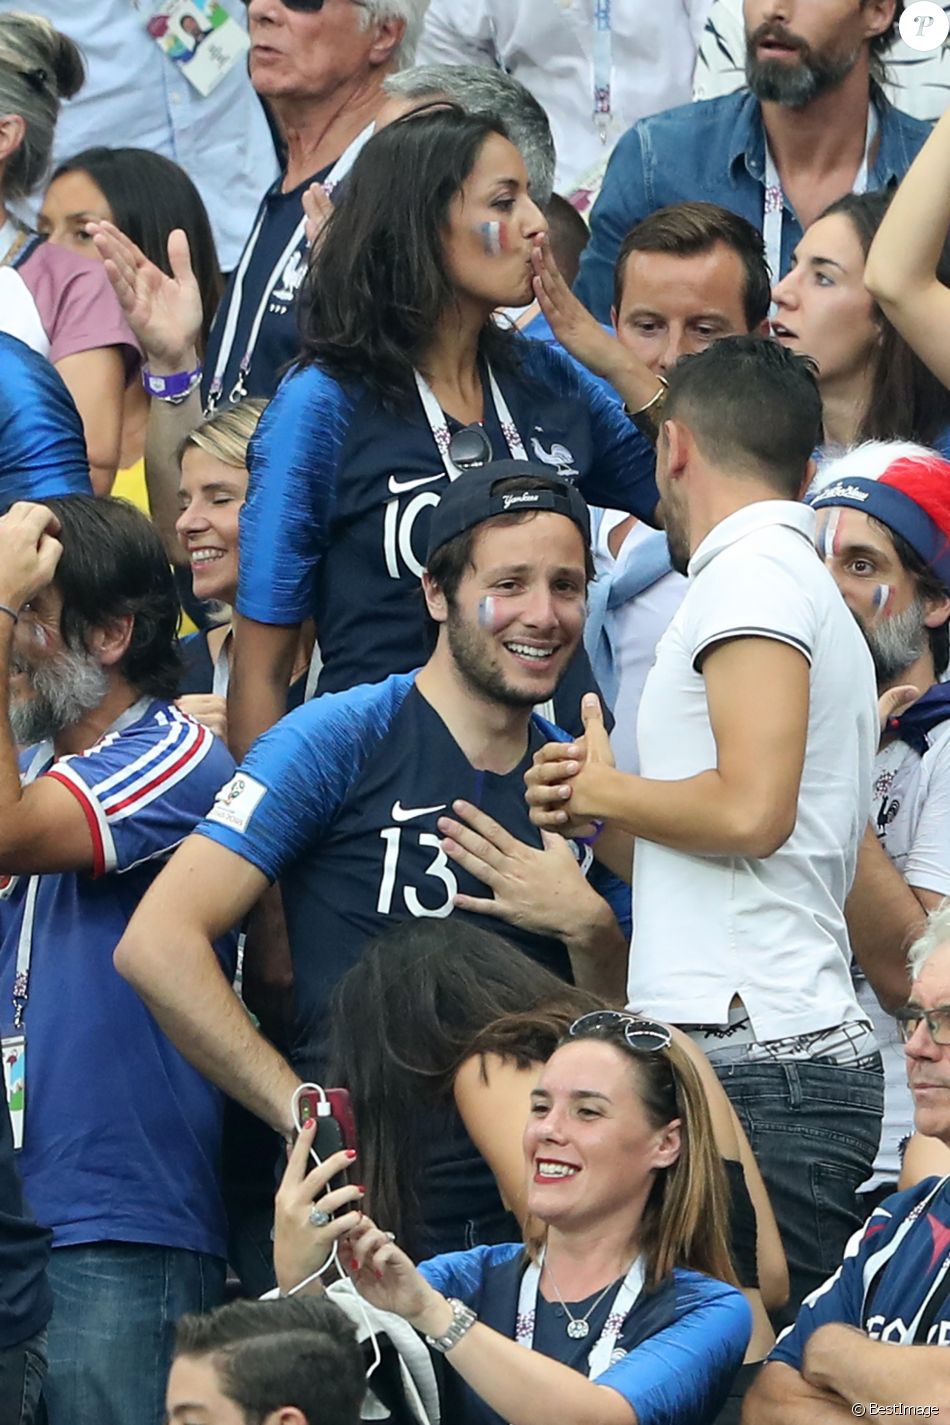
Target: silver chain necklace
[{"x": 577, "y": 1326}]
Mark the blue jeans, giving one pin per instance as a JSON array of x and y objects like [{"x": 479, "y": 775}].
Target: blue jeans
[
  {"x": 115, "y": 1305},
  {"x": 814, "y": 1129},
  {"x": 22, "y": 1369}
]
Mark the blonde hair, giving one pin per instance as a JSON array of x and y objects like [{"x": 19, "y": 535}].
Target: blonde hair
[
  {"x": 227, "y": 434},
  {"x": 39, "y": 66}
]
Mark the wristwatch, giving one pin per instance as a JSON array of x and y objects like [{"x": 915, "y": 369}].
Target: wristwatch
[{"x": 463, "y": 1319}]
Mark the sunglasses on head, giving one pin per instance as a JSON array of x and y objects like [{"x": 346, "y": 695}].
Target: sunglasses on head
[{"x": 644, "y": 1036}]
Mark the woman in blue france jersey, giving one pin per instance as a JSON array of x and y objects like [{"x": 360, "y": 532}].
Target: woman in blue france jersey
[
  {"x": 401, "y": 353},
  {"x": 622, "y": 1290}
]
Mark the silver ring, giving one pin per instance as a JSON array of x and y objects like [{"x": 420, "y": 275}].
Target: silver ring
[{"x": 319, "y": 1218}]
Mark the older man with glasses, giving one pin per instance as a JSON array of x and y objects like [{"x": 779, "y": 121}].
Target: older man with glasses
[{"x": 893, "y": 1286}]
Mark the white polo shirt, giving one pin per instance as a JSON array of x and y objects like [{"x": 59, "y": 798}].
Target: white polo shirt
[{"x": 771, "y": 931}]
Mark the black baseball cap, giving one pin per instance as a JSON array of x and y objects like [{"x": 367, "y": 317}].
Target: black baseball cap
[{"x": 474, "y": 498}]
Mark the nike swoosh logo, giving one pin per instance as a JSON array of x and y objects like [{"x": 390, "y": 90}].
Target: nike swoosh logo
[
  {"x": 396, "y": 487},
  {"x": 401, "y": 813}
]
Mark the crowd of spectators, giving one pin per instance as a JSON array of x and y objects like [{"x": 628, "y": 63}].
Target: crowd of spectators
[{"x": 474, "y": 754}]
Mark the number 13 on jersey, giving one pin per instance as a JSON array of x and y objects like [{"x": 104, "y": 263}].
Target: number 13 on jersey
[{"x": 438, "y": 869}]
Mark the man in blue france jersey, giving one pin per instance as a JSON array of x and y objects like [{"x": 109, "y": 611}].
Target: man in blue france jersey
[
  {"x": 893, "y": 1286},
  {"x": 398, "y": 799},
  {"x": 118, "y": 1136}
]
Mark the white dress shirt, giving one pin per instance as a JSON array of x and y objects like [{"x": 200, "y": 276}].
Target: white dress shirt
[
  {"x": 135, "y": 96},
  {"x": 548, "y": 45}
]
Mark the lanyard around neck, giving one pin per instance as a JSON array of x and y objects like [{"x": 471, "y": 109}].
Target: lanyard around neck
[
  {"x": 775, "y": 197},
  {"x": 603, "y": 67},
  {"x": 336, "y": 175},
  {"x": 440, "y": 429},
  {"x": 599, "y": 1358}
]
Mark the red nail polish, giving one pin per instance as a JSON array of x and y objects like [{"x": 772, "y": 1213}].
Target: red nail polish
[
  {"x": 351, "y": 1153},
  {"x": 308, "y": 1123},
  {"x": 361, "y": 1189}
]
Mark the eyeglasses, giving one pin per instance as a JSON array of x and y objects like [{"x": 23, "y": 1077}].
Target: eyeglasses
[
  {"x": 644, "y": 1036},
  {"x": 937, "y": 1021},
  {"x": 307, "y": 6}
]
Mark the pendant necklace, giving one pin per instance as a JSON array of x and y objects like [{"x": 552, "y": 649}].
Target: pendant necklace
[{"x": 577, "y": 1326}]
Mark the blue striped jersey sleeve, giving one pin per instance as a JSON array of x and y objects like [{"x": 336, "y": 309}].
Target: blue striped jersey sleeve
[
  {"x": 293, "y": 461},
  {"x": 144, "y": 789},
  {"x": 286, "y": 794}
]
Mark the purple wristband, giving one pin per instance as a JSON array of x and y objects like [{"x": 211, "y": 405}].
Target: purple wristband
[
  {"x": 589, "y": 840},
  {"x": 175, "y": 388}
]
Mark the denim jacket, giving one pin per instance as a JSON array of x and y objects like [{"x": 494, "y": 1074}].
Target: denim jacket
[{"x": 712, "y": 150}]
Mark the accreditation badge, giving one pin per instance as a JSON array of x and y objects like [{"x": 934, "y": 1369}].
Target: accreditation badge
[
  {"x": 13, "y": 1048},
  {"x": 200, "y": 38}
]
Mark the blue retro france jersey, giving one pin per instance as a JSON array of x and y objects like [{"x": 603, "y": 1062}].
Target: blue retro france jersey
[
  {"x": 340, "y": 801},
  {"x": 341, "y": 495},
  {"x": 894, "y": 1280},
  {"x": 121, "y": 1135}
]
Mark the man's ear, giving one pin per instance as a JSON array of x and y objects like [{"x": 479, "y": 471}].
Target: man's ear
[
  {"x": 436, "y": 602},
  {"x": 937, "y": 611},
  {"x": 12, "y": 134},
  {"x": 110, "y": 643},
  {"x": 763, "y": 329},
  {"x": 679, "y": 445},
  {"x": 388, "y": 36},
  {"x": 879, "y": 17}
]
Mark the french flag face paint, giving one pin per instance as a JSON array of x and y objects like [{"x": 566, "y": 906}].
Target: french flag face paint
[
  {"x": 880, "y": 599},
  {"x": 489, "y": 615},
  {"x": 829, "y": 542},
  {"x": 494, "y": 238}
]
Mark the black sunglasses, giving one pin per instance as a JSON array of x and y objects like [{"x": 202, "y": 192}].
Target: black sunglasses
[
  {"x": 306, "y": 6},
  {"x": 470, "y": 447},
  {"x": 645, "y": 1036}
]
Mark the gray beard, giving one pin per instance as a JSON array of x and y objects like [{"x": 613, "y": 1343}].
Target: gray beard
[
  {"x": 897, "y": 642},
  {"x": 772, "y": 81},
  {"x": 65, "y": 689}
]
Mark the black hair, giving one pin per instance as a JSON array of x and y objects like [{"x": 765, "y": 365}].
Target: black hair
[
  {"x": 377, "y": 284},
  {"x": 271, "y": 1355},
  {"x": 691, "y": 229},
  {"x": 114, "y": 565},
  {"x": 418, "y": 1003},
  {"x": 150, "y": 196},
  {"x": 907, "y": 402},
  {"x": 568, "y": 235},
  {"x": 753, "y": 408}
]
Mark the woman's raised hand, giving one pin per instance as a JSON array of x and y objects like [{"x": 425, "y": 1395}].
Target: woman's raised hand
[
  {"x": 301, "y": 1247},
  {"x": 578, "y": 332},
  {"x": 165, "y": 313},
  {"x": 388, "y": 1279}
]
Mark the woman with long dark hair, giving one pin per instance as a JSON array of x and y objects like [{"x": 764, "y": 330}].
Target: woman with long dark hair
[
  {"x": 439, "y": 1033},
  {"x": 405, "y": 380},
  {"x": 621, "y": 1289},
  {"x": 873, "y": 385},
  {"x": 147, "y": 197}
]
